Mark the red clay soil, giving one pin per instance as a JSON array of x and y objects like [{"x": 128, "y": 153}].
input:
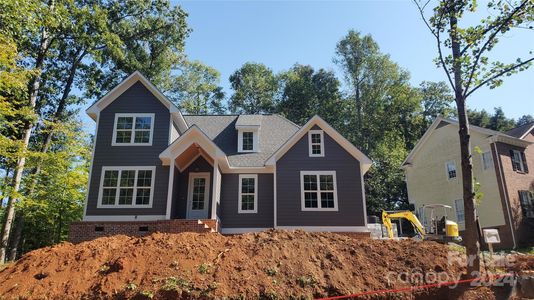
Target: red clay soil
[{"x": 267, "y": 265}]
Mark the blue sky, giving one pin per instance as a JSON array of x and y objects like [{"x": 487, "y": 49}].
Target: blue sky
[{"x": 227, "y": 34}]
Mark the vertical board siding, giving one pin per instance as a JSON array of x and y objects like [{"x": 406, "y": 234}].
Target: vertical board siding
[
  {"x": 230, "y": 218},
  {"x": 137, "y": 99},
  {"x": 349, "y": 190}
]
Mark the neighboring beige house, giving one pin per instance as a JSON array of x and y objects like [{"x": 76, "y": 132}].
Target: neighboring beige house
[{"x": 500, "y": 165}]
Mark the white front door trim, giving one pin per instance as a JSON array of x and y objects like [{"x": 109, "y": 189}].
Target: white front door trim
[{"x": 198, "y": 214}]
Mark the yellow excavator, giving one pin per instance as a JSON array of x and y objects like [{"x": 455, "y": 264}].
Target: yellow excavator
[{"x": 440, "y": 228}]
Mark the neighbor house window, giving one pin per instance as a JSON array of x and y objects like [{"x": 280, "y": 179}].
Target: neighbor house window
[
  {"x": 126, "y": 186},
  {"x": 133, "y": 129},
  {"x": 248, "y": 193},
  {"x": 527, "y": 203},
  {"x": 459, "y": 206},
  {"x": 316, "y": 143},
  {"x": 519, "y": 162},
  {"x": 318, "y": 190},
  {"x": 487, "y": 160},
  {"x": 450, "y": 167}
]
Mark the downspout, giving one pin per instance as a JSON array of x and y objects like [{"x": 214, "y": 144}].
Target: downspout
[{"x": 505, "y": 193}]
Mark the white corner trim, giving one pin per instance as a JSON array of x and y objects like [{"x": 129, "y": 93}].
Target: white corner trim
[
  {"x": 170, "y": 192},
  {"x": 318, "y": 191},
  {"x": 310, "y": 143},
  {"x": 327, "y": 228},
  {"x": 123, "y": 218},
  {"x": 364, "y": 202},
  {"x": 215, "y": 189},
  {"x": 239, "y": 200},
  {"x": 275, "y": 215},
  {"x": 132, "y": 137},
  {"x": 126, "y": 168},
  {"x": 241, "y": 230}
]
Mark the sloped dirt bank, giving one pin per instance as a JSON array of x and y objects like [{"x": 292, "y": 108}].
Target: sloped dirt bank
[{"x": 269, "y": 265}]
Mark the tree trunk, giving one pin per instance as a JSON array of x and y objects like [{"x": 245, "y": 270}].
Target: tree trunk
[
  {"x": 471, "y": 233},
  {"x": 33, "y": 92},
  {"x": 17, "y": 236}
]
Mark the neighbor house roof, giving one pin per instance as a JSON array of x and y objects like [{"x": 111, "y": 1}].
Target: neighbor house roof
[
  {"x": 521, "y": 131},
  {"x": 274, "y": 132},
  {"x": 440, "y": 122}
]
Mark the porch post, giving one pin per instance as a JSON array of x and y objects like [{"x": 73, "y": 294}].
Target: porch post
[
  {"x": 170, "y": 190},
  {"x": 216, "y": 188}
]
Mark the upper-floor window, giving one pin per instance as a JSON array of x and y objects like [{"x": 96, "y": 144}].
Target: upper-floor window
[
  {"x": 450, "y": 168},
  {"x": 527, "y": 203},
  {"x": 316, "y": 143},
  {"x": 318, "y": 190},
  {"x": 247, "y": 141},
  {"x": 519, "y": 162},
  {"x": 248, "y": 193},
  {"x": 133, "y": 129},
  {"x": 126, "y": 187},
  {"x": 487, "y": 160}
]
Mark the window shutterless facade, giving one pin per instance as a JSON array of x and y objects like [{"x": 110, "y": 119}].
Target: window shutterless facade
[
  {"x": 450, "y": 168},
  {"x": 487, "y": 161},
  {"x": 318, "y": 191},
  {"x": 126, "y": 187},
  {"x": 316, "y": 143},
  {"x": 133, "y": 130},
  {"x": 248, "y": 194}
]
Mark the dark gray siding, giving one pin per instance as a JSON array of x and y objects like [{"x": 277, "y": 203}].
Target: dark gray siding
[
  {"x": 137, "y": 99},
  {"x": 179, "y": 205},
  {"x": 230, "y": 218},
  {"x": 349, "y": 190}
]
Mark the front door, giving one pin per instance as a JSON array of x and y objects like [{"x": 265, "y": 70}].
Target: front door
[{"x": 197, "y": 196}]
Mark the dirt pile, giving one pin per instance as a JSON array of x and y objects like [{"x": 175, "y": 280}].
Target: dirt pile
[{"x": 273, "y": 264}]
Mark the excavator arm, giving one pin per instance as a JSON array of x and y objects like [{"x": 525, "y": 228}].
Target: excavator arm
[{"x": 408, "y": 215}]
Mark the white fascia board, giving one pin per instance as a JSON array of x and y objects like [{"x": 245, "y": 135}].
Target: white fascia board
[{"x": 365, "y": 162}]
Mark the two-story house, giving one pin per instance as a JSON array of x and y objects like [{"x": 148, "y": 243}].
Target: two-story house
[
  {"x": 501, "y": 164},
  {"x": 155, "y": 169}
]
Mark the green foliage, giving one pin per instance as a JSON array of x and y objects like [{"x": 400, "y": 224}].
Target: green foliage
[
  {"x": 305, "y": 281},
  {"x": 255, "y": 89},
  {"x": 525, "y": 119},
  {"x": 498, "y": 121},
  {"x": 204, "y": 268},
  {"x": 196, "y": 90}
]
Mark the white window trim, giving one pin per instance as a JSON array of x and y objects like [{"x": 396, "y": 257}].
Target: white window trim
[
  {"x": 241, "y": 177},
  {"x": 319, "y": 208},
  {"x": 127, "y": 168},
  {"x": 447, "y": 170},
  {"x": 255, "y": 140},
  {"x": 521, "y": 165},
  {"x": 133, "y": 115},
  {"x": 482, "y": 160},
  {"x": 321, "y": 133},
  {"x": 460, "y": 222}
]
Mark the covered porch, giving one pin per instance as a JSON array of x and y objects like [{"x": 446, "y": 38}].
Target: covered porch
[{"x": 194, "y": 177}]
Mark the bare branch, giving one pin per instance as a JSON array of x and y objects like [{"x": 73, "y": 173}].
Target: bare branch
[{"x": 499, "y": 74}]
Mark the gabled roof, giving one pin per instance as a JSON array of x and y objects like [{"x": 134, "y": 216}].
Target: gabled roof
[
  {"x": 440, "y": 121},
  {"x": 192, "y": 135},
  {"x": 274, "y": 132},
  {"x": 521, "y": 131},
  {"x": 101, "y": 104},
  {"x": 365, "y": 162}
]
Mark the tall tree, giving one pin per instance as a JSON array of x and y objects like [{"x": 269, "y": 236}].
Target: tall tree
[
  {"x": 196, "y": 89},
  {"x": 525, "y": 119},
  {"x": 436, "y": 100},
  {"x": 463, "y": 54},
  {"x": 255, "y": 89},
  {"x": 306, "y": 92}
]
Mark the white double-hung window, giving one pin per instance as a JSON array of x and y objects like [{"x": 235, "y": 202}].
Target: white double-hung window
[
  {"x": 450, "y": 168},
  {"x": 126, "y": 187},
  {"x": 248, "y": 194},
  {"x": 316, "y": 143},
  {"x": 318, "y": 190},
  {"x": 487, "y": 160},
  {"x": 133, "y": 130}
]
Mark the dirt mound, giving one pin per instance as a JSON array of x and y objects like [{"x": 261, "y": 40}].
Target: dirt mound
[{"x": 273, "y": 264}]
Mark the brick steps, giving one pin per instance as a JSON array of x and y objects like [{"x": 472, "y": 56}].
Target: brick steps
[{"x": 86, "y": 231}]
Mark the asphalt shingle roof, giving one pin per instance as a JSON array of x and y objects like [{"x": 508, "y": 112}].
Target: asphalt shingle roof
[
  {"x": 274, "y": 132},
  {"x": 518, "y": 132}
]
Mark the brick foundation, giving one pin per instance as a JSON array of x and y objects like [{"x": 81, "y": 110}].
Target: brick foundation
[{"x": 86, "y": 231}]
